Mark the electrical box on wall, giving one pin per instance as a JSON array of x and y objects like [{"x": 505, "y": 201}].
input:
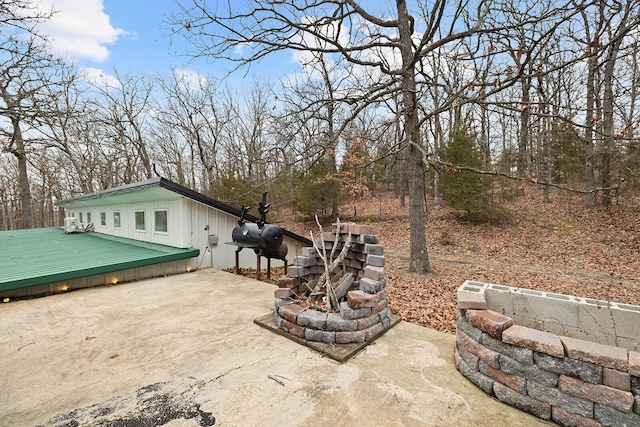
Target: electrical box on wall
[{"x": 213, "y": 240}]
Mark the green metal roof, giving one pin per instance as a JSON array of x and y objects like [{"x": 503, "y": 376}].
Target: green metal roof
[{"x": 47, "y": 255}]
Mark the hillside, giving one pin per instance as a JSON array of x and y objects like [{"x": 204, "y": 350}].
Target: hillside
[{"x": 559, "y": 247}]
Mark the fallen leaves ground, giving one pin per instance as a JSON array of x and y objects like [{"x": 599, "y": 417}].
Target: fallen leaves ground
[{"x": 556, "y": 247}]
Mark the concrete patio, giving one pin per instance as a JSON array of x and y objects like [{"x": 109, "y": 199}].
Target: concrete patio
[{"x": 183, "y": 350}]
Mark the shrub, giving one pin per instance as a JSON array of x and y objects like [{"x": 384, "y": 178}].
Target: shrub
[
  {"x": 494, "y": 215},
  {"x": 462, "y": 189},
  {"x": 314, "y": 191}
]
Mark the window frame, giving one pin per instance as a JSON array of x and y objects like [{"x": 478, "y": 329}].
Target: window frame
[
  {"x": 166, "y": 221},
  {"x": 144, "y": 220}
]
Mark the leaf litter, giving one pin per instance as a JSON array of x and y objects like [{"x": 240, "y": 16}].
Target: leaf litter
[{"x": 559, "y": 247}]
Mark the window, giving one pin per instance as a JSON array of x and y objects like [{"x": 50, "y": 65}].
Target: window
[
  {"x": 103, "y": 219},
  {"x": 80, "y": 218},
  {"x": 160, "y": 218},
  {"x": 116, "y": 219},
  {"x": 139, "y": 215},
  {"x": 88, "y": 217}
]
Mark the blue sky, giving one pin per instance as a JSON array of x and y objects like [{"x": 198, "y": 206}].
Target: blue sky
[{"x": 131, "y": 36}]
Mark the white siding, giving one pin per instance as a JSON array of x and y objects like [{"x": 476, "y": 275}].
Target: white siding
[
  {"x": 173, "y": 236},
  {"x": 221, "y": 224},
  {"x": 189, "y": 224}
]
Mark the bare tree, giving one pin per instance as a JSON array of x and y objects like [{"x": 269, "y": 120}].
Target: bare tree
[
  {"x": 27, "y": 75},
  {"x": 388, "y": 39},
  {"x": 605, "y": 27},
  {"x": 252, "y": 130},
  {"x": 8, "y": 192},
  {"x": 316, "y": 96},
  {"x": 628, "y": 21},
  {"x": 318, "y": 27},
  {"x": 122, "y": 113},
  {"x": 191, "y": 117},
  {"x": 64, "y": 131},
  {"x": 19, "y": 17},
  {"x": 22, "y": 58},
  {"x": 592, "y": 37},
  {"x": 626, "y": 98}
]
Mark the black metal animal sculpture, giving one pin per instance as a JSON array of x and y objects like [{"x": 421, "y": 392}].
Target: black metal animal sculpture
[{"x": 265, "y": 239}]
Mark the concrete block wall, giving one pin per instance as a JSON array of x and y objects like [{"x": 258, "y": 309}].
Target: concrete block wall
[
  {"x": 362, "y": 315},
  {"x": 569, "y": 380},
  {"x": 603, "y": 322}
]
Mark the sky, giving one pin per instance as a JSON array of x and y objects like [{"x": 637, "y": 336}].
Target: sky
[{"x": 130, "y": 36}]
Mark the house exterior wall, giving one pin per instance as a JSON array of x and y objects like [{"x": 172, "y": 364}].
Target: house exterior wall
[
  {"x": 204, "y": 221},
  {"x": 127, "y": 228},
  {"x": 189, "y": 224}
]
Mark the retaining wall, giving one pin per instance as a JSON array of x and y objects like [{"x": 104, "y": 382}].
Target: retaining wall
[
  {"x": 363, "y": 314},
  {"x": 502, "y": 347},
  {"x": 114, "y": 277}
]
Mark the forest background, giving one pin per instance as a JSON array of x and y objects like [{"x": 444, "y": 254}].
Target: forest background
[{"x": 462, "y": 109}]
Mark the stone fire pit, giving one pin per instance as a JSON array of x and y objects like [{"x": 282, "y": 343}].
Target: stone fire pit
[{"x": 362, "y": 313}]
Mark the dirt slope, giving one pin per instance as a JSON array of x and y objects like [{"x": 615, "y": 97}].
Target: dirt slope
[{"x": 558, "y": 247}]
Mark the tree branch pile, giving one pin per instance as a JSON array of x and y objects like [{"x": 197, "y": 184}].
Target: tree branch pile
[{"x": 324, "y": 288}]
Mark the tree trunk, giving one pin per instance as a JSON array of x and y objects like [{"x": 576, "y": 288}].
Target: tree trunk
[
  {"x": 546, "y": 137},
  {"x": 23, "y": 178},
  {"x": 523, "y": 143},
  {"x": 608, "y": 143},
  {"x": 402, "y": 176},
  {"x": 485, "y": 153},
  {"x": 546, "y": 159},
  {"x": 333, "y": 170},
  {"x": 607, "y": 135},
  {"x": 330, "y": 153},
  {"x": 588, "y": 134},
  {"x": 436, "y": 156},
  {"x": 419, "y": 257}
]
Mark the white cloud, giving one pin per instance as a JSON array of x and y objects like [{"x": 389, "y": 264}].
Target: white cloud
[
  {"x": 99, "y": 77},
  {"x": 303, "y": 57},
  {"x": 79, "y": 28},
  {"x": 240, "y": 48},
  {"x": 361, "y": 30},
  {"x": 190, "y": 80}
]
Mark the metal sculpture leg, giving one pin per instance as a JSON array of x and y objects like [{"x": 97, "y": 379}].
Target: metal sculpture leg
[{"x": 268, "y": 268}]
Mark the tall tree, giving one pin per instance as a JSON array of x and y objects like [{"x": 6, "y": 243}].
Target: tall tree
[
  {"x": 191, "y": 117},
  {"x": 122, "y": 111},
  {"x": 22, "y": 59},
  {"x": 592, "y": 37},
  {"x": 313, "y": 96},
  {"x": 64, "y": 131},
  {"x": 324, "y": 28},
  {"x": 628, "y": 20},
  {"x": 606, "y": 25},
  {"x": 27, "y": 75},
  {"x": 386, "y": 43}
]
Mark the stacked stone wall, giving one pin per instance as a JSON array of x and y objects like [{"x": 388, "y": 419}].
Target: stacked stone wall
[
  {"x": 364, "y": 312},
  {"x": 568, "y": 380}
]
